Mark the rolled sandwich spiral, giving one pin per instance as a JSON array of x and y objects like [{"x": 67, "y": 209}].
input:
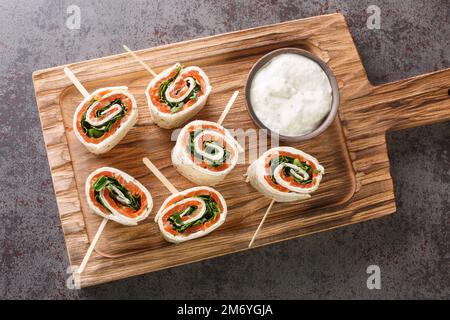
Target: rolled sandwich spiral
[
  {"x": 205, "y": 152},
  {"x": 115, "y": 195},
  {"x": 104, "y": 118},
  {"x": 191, "y": 214},
  {"x": 285, "y": 174},
  {"x": 177, "y": 94}
]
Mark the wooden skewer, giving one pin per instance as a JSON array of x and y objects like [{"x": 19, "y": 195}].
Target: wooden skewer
[
  {"x": 238, "y": 145},
  {"x": 160, "y": 176},
  {"x": 135, "y": 56},
  {"x": 261, "y": 223},
  {"x": 154, "y": 74},
  {"x": 228, "y": 107},
  {"x": 92, "y": 246},
  {"x": 76, "y": 82},
  {"x": 225, "y": 112},
  {"x": 100, "y": 229}
]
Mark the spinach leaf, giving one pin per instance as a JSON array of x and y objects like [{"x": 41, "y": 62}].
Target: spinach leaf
[
  {"x": 284, "y": 159},
  {"x": 176, "y": 218},
  {"x": 98, "y": 131},
  {"x": 107, "y": 182},
  {"x": 176, "y": 106},
  {"x": 101, "y": 183},
  {"x": 211, "y": 212},
  {"x": 210, "y": 150}
]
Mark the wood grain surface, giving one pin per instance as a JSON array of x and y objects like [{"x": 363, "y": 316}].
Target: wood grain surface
[{"x": 357, "y": 185}]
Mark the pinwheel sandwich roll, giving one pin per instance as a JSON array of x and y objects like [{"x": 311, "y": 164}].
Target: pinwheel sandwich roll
[
  {"x": 117, "y": 196},
  {"x": 104, "y": 118},
  {"x": 285, "y": 174},
  {"x": 177, "y": 94},
  {"x": 191, "y": 214},
  {"x": 205, "y": 152}
]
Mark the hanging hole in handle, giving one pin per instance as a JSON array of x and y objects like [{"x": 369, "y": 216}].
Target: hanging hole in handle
[{"x": 448, "y": 92}]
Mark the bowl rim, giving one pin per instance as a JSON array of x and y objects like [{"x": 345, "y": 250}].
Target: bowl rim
[{"x": 334, "y": 93}]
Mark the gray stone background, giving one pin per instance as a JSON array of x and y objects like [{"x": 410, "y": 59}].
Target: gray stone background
[{"x": 411, "y": 247}]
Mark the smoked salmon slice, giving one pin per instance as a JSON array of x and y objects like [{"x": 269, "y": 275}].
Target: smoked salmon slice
[
  {"x": 285, "y": 174},
  {"x": 205, "y": 152},
  {"x": 117, "y": 196},
  {"x": 177, "y": 94},
  {"x": 104, "y": 118},
  {"x": 191, "y": 214}
]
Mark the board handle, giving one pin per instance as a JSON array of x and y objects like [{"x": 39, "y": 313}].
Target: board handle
[{"x": 414, "y": 102}]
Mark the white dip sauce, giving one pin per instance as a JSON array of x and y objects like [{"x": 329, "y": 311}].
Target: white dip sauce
[{"x": 291, "y": 94}]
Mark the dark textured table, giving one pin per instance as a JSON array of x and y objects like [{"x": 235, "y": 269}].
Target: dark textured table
[{"x": 412, "y": 247}]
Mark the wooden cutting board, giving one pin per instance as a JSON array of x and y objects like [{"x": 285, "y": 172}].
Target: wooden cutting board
[{"x": 357, "y": 185}]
